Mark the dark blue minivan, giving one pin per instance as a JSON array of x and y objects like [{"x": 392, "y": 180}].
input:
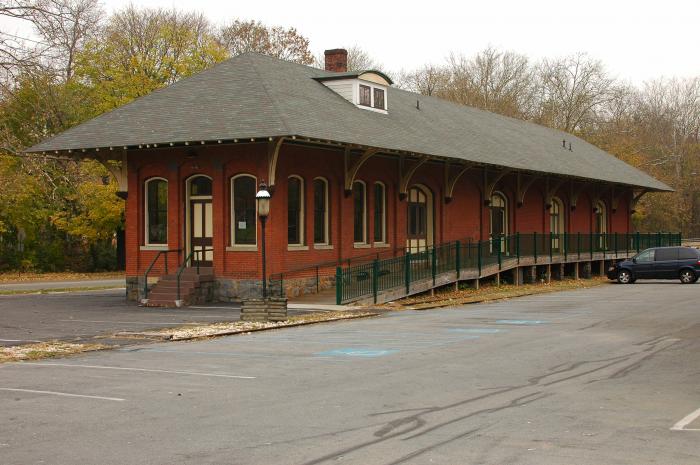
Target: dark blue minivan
[{"x": 659, "y": 263}]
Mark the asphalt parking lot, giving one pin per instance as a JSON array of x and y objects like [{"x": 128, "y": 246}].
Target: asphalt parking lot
[
  {"x": 81, "y": 316},
  {"x": 607, "y": 375}
]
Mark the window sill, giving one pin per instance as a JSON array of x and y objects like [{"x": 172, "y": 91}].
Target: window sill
[
  {"x": 381, "y": 245},
  {"x": 297, "y": 247},
  {"x": 154, "y": 247},
  {"x": 323, "y": 246},
  {"x": 242, "y": 248},
  {"x": 361, "y": 245}
]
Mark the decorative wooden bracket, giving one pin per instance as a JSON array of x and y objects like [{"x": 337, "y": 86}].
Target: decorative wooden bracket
[
  {"x": 551, "y": 191},
  {"x": 523, "y": 187},
  {"x": 450, "y": 183},
  {"x": 273, "y": 153},
  {"x": 575, "y": 193},
  {"x": 406, "y": 175},
  {"x": 635, "y": 200},
  {"x": 490, "y": 185},
  {"x": 117, "y": 167},
  {"x": 351, "y": 172},
  {"x": 599, "y": 193}
]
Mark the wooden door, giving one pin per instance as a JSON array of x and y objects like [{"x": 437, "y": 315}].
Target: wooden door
[{"x": 201, "y": 232}]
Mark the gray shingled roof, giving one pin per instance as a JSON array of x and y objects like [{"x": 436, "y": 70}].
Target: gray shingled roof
[{"x": 252, "y": 96}]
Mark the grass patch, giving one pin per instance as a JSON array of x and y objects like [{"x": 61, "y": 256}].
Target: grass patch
[
  {"x": 18, "y": 277},
  {"x": 42, "y": 350},
  {"x": 488, "y": 293},
  {"x": 54, "y": 290}
]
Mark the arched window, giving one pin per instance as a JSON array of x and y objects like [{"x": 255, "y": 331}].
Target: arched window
[
  {"x": 499, "y": 215},
  {"x": 359, "y": 200},
  {"x": 156, "y": 215},
  {"x": 499, "y": 222},
  {"x": 243, "y": 210},
  {"x": 557, "y": 222},
  {"x": 379, "y": 213},
  {"x": 321, "y": 218},
  {"x": 295, "y": 210},
  {"x": 601, "y": 224},
  {"x": 601, "y": 218}
]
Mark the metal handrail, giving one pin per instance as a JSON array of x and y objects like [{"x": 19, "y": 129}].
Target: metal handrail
[
  {"x": 184, "y": 265},
  {"x": 150, "y": 267}
]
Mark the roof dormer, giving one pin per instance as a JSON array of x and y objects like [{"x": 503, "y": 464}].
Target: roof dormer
[{"x": 365, "y": 89}]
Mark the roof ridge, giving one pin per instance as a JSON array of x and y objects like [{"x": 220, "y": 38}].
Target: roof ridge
[{"x": 267, "y": 93}]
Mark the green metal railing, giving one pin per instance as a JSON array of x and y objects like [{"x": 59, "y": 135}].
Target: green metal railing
[
  {"x": 367, "y": 280},
  {"x": 164, "y": 254}
]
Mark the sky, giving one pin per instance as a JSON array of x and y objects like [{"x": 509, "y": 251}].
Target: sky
[{"x": 637, "y": 40}]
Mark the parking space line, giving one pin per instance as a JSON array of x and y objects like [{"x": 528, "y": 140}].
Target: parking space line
[
  {"x": 688, "y": 419},
  {"x": 144, "y": 370},
  {"x": 18, "y": 340},
  {"x": 62, "y": 394}
]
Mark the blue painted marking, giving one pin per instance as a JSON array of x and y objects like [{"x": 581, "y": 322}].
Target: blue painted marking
[
  {"x": 521, "y": 322},
  {"x": 475, "y": 330},
  {"x": 356, "y": 352}
]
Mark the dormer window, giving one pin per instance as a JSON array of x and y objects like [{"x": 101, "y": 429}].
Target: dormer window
[
  {"x": 366, "y": 95},
  {"x": 365, "y": 89},
  {"x": 379, "y": 99}
]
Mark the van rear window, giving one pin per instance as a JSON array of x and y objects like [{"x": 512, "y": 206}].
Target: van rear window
[
  {"x": 687, "y": 254},
  {"x": 663, "y": 255}
]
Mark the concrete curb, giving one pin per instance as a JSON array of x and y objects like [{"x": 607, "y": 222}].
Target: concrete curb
[{"x": 169, "y": 337}]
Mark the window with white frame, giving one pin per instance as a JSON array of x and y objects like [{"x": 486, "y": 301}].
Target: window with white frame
[
  {"x": 321, "y": 218},
  {"x": 156, "y": 214},
  {"x": 243, "y": 210},
  {"x": 359, "y": 200},
  {"x": 379, "y": 212},
  {"x": 295, "y": 210}
]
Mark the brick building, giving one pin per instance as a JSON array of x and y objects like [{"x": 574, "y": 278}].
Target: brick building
[{"x": 355, "y": 167}]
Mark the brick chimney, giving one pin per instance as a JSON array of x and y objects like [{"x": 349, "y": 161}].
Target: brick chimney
[{"x": 336, "y": 60}]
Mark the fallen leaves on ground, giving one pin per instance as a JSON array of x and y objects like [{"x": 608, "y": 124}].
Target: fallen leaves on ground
[
  {"x": 487, "y": 293},
  {"x": 45, "y": 350},
  {"x": 226, "y": 328}
]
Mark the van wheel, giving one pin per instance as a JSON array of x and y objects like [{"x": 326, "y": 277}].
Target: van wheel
[
  {"x": 624, "y": 277},
  {"x": 688, "y": 277}
]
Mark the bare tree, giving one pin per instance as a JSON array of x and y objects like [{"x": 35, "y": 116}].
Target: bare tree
[
  {"x": 572, "y": 90},
  {"x": 493, "y": 80},
  {"x": 64, "y": 26},
  {"x": 427, "y": 80},
  {"x": 253, "y": 36}
]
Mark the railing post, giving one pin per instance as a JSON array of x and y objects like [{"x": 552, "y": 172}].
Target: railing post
[
  {"x": 615, "y": 244},
  {"x": 534, "y": 245},
  {"x": 317, "y": 279},
  {"x": 166, "y": 263},
  {"x": 375, "y": 279},
  {"x": 407, "y": 269},
  {"x": 658, "y": 239},
  {"x": 338, "y": 285},
  {"x": 498, "y": 245},
  {"x": 433, "y": 264},
  {"x": 517, "y": 247},
  {"x": 551, "y": 239},
  {"x": 578, "y": 244},
  {"x": 590, "y": 245},
  {"x": 566, "y": 247},
  {"x": 458, "y": 264},
  {"x": 478, "y": 258}
]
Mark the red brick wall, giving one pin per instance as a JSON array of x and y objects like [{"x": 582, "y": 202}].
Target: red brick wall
[{"x": 465, "y": 217}]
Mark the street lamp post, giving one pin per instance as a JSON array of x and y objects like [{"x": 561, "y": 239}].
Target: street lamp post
[{"x": 263, "y": 198}]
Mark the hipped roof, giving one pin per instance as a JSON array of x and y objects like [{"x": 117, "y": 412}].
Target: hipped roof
[{"x": 255, "y": 96}]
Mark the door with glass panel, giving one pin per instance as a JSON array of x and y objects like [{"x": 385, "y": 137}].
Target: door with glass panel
[{"x": 201, "y": 222}]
